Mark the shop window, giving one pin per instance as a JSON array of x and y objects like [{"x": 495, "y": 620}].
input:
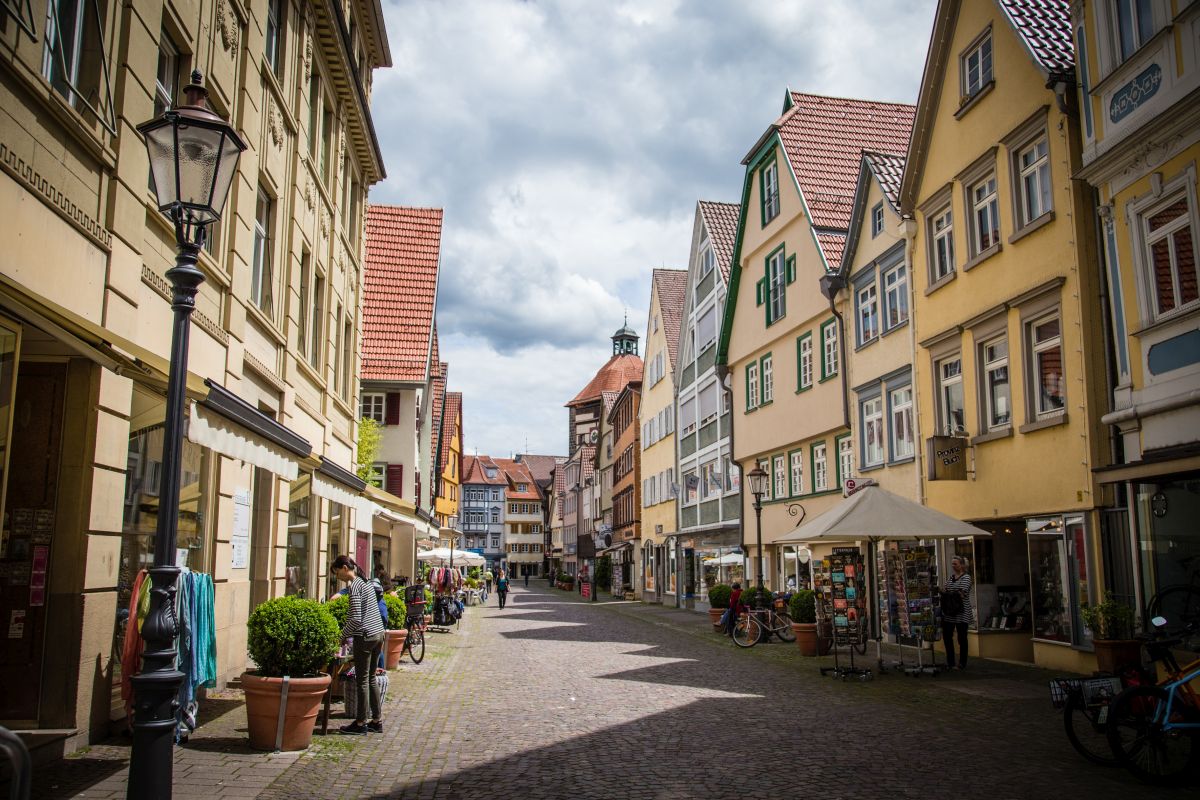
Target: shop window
[
  {"x": 1059, "y": 574},
  {"x": 901, "y": 401},
  {"x": 994, "y": 358},
  {"x": 951, "y": 419},
  {"x": 337, "y": 537},
  {"x": 1049, "y": 384},
  {"x": 895, "y": 297},
  {"x": 794, "y": 568},
  {"x": 74, "y": 59},
  {"x": 299, "y": 536},
  {"x": 872, "y": 432}
]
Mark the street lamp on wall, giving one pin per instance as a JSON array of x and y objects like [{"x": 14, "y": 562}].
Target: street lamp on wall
[
  {"x": 757, "y": 479},
  {"x": 193, "y": 158}
]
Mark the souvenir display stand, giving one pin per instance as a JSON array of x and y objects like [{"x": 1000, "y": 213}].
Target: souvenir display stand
[
  {"x": 841, "y": 601},
  {"x": 908, "y": 604}
]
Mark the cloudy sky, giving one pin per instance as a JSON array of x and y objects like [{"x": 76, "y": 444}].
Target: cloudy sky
[{"x": 568, "y": 143}]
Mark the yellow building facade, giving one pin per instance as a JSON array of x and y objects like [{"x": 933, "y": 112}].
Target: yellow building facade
[
  {"x": 1007, "y": 323},
  {"x": 449, "y": 488}
]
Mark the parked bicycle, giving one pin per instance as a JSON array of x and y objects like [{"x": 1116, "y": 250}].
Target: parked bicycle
[
  {"x": 1179, "y": 604},
  {"x": 414, "y": 621},
  {"x": 760, "y": 624}
]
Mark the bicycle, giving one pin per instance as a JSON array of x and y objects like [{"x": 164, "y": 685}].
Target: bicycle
[
  {"x": 1154, "y": 729},
  {"x": 761, "y": 623},
  {"x": 414, "y": 642},
  {"x": 1086, "y": 703},
  {"x": 1178, "y": 603}
]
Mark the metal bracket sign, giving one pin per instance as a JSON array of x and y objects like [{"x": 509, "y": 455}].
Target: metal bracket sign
[{"x": 946, "y": 457}]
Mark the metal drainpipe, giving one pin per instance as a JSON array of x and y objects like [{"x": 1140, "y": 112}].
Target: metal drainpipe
[
  {"x": 722, "y": 374},
  {"x": 831, "y": 284},
  {"x": 909, "y": 231}
]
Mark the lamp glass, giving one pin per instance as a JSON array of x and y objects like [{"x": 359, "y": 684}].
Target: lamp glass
[
  {"x": 204, "y": 157},
  {"x": 757, "y": 478}
]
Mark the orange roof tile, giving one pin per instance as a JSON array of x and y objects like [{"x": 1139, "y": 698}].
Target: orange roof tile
[
  {"x": 616, "y": 373},
  {"x": 517, "y": 474},
  {"x": 540, "y": 466},
  {"x": 672, "y": 287},
  {"x": 400, "y": 291},
  {"x": 451, "y": 413},
  {"x": 475, "y": 471},
  {"x": 721, "y": 220}
]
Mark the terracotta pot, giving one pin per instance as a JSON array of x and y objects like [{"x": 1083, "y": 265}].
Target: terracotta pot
[
  {"x": 262, "y": 709},
  {"x": 1112, "y": 655},
  {"x": 714, "y": 616},
  {"x": 429, "y": 619},
  {"x": 806, "y": 637},
  {"x": 395, "y": 643}
]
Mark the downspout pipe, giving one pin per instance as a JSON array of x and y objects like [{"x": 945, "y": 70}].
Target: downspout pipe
[
  {"x": 723, "y": 373},
  {"x": 831, "y": 284}
]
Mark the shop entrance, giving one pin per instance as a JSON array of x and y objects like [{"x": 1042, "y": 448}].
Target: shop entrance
[{"x": 34, "y": 456}]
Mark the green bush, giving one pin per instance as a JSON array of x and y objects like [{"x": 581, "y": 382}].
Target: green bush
[
  {"x": 396, "y": 611},
  {"x": 750, "y": 598},
  {"x": 428, "y": 600},
  {"x": 718, "y": 596},
  {"x": 803, "y": 606},
  {"x": 339, "y": 606},
  {"x": 292, "y": 636}
]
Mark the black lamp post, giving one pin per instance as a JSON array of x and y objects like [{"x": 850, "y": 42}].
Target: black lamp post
[
  {"x": 757, "y": 478},
  {"x": 193, "y": 158}
]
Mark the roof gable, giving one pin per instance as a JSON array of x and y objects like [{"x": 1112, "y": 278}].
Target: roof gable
[
  {"x": 671, "y": 286},
  {"x": 885, "y": 171},
  {"x": 721, "y": 222}
]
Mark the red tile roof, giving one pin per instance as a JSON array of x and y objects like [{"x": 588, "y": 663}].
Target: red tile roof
[
  {"x": 517, "y": 474},
  {"x": 888, "y": 169},
  {"x": 399, "y": 291},
  {"x": 560, "y": 485},
  {"x": 541, "y": 467},
  {"x": 1045, "y": 28},
  {"x": 824, "y": 138},
  {"x": 833, "y": 245},
  {"x": 475, "y": 471},
  {"x": 616, "y": 373},
  {"x": 672, "y": 289},
  {"x": 721, "y": 220},
  {"x": 587, "y": 462},
  {"x": 451, "y": 415}
]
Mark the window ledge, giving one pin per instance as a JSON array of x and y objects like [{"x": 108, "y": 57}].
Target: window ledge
[
  {"x": 1170, "y": 318},
  {"x": 940, "y": 282},
  {"x": 773, "y": 321},
  {"x": 974, "y": 99},
  {"x": 983, "y": 255},
  {"x": 992, "y": 436},
  {"x": 264, "y": 322},
  {"x": 1049, "y": 422},
  {"x": 901, "y": 324},
  {"x": 828, "y": 378},
  {"x": 1030, "y": 227},
  {"x": 803, "y": 389},
  {"x": 867, "y": 343},
  {"x": 872, "y": 467},
  {"x": 902, "y": 461},
  {"x": 310, "y": 371}
]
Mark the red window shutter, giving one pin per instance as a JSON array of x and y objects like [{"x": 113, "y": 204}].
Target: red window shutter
[
  {"x": 391, "y": 414},
  {"x": 394, "y": 481}
]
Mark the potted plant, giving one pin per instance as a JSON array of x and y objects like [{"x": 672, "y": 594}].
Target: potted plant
[
  {"x": 1111, "y": 623},
  {"x": 802, "y": 608},
  {"x": 290, "y": 639},
  {"x": 428, "y": 605},
  {"x": 395, "y": 629},
  {"x": 718, "y": 601}
]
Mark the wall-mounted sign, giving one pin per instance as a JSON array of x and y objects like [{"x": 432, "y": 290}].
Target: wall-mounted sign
[
  {"x": 946, "y": 457},
  {"x": 239, "y": 536},
  {"x": 1133, "y": 95}
]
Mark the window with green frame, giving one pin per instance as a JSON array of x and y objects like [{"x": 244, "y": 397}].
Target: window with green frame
[
  {"x": 768, "y": 191},
  {"x": 830, "y": 352},
  {"x": 752, "y": 387},
  {"x": 779, "y": 270},
  {"x": 820, "y": 466}
]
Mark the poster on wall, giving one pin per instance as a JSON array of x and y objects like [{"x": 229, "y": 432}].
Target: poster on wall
[{"x": 239, "y": 537}]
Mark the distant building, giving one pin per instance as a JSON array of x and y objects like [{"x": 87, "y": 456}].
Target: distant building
[{"x": 481, "y": 514}]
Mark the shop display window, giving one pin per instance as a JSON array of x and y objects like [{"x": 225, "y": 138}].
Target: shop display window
[
  {"x": 1167, "y": 514},
  {"x": 1059, "y": 578},
  {"x": 794, "y": 563},
  {"x": 337, "y": 535},
  {"x": 299, "y": 534}
]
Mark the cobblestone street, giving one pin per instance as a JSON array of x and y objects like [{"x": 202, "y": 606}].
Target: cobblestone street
[{"x": 555, "y": 698}]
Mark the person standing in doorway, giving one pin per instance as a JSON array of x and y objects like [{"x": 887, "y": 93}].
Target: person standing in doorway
[
  {"x": 364, "y": 627},
  {"x": 526, "y": 579},
  {"x": 502, "y": 587},
  {"x": 957, "y": 612}
]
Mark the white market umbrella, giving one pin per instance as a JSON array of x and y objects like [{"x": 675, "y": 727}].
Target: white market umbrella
[
  {"x": 441, "y": 555},
  {"x": 874, "y": 513},
  {"x": 728, "y": 558}
]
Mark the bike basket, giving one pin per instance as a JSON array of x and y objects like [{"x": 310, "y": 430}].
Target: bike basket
[
  {"x": 1096, "y": 692},
  {"x": 1061, "y": 689}
]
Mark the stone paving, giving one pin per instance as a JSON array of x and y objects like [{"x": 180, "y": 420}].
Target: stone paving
[{"x": 557, "y": 698}]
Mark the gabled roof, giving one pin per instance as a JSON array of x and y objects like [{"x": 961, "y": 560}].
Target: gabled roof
[
  {"x": 721, "y": 222},
  {"x": 437, "y": 388},
  {"x": 612, "y": 377},
  {"x": 1044, "y": 27},
  {"x": 540, "y": 466},
  {"x": 475, "y": 471},
  {"x": 587, "y": 462},
  {"x": 400, "y": 281},
  {"x": 517, "y": 473},
  {"x": 672, "y": 290},
  {"x": 609, "y": 399},
  {"x": 451, "y": 415},
  {"x": 886, "y": 170},
  {"x": 633, "y": 389}
]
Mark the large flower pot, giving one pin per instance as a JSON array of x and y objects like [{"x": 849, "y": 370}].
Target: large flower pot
[
  {"x": 806, "y": 637},
  {"x": 395, "y": 643},
  {"x": 714, "y": 616},
  {"x": 262, "y": 709},
  {"x": 1113, "y": 655}
]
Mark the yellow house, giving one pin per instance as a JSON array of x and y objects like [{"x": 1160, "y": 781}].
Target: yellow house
[
  {"x": 450, "y": 461},
  {"x": 782, "y": 334},
  {"x": 1138, "y": 77},
  {"x": 1007, "y": 321},
  {"x": 657, "y": 418}
]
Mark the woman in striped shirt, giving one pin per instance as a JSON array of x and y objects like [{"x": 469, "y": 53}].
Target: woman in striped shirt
[
  {"x": 952, "y": 624},
  {"x": 365, "y": 628}
]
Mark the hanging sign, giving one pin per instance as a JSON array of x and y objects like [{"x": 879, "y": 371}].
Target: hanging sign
[
  {"x": 946, "y": 457},
  {"x": 239, "y": 537}
]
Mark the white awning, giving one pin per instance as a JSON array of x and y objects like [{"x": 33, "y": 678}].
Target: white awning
[
  {"x": 363, "y": 507},
  {"x": 230, "y": 439}
]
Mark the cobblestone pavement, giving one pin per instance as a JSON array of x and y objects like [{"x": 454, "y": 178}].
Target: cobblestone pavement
[{"x": 556, "y": 698}]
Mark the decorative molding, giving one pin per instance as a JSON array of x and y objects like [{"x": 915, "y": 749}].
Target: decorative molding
[
  {"x": 325, "y": 223},
  {"x": 227, "y": 24},
  {"x": 33, "y": 181},
  {"x": 160, "y": 285},
  {"x": 275, "y": 123},
  {"x": 308, "y": 50},
  {"x": 309, "y": 197},
  {"x": 263, "y": 370}
]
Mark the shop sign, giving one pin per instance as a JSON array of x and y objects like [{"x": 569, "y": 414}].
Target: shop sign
[
  {"x": 858, "y": 484},
  {"x": 946, "y": 457},
  {"x": 1133, "y": 95},
  {"x": 239, "y": 537}
]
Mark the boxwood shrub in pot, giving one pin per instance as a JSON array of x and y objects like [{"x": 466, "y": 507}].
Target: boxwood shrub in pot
[
  {"x": 718, "y": 601},
  {"x": 293, "y": 639},
  {"x": 802, "y": 608}
]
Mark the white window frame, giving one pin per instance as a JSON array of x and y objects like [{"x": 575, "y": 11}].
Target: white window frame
[
  {"x": 1034, "y": 187},
  {"x": 710, "y": 337},
  {"x": 1036, "y": 349},
  {"x": 820, "y": 467},
  {"x": 168, "y": 68},
  {"x": 994, "y": 369},
  {"x": 829, "y": 350},
  {"x": 900, "y": 401},
  {"x": 377, "y": 474},
  {"x": 373, "y": 405},
  {"x": 689, "y": 420},
  {"x": 984, "y": 198},
  {"x": 262, "y": 273},
  {"x": 1140, "y": 214},
  {"x": 941, "y": 235},
  {"x": 845, "y": 459},
  {"x": 806, "y": 361},
  {"x": 948, "y": 374},
  {"x": 768, "y": 379},
  {"x": 708, "y": 260},
  {"x": 983, "y": 56},
  {"x": 867, "y": 305},
  {"x": 273, "y": 50},
  {"x": 753, "y": 398},
  {"x": 1140, "y": 37},
  {"x": 796, "y": 457},
  {"x": 873, "y": 448},
  {"x": 895, "y": 295},
  {"x": 779, "y": 485}
]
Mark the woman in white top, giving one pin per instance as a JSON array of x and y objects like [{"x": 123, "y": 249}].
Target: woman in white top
[{"x": 955, "y": 624}]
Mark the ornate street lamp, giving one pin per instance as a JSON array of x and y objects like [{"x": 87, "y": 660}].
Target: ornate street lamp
[
  {"x": 757, "y": 478},
  {"x": 193, "y": 158}
]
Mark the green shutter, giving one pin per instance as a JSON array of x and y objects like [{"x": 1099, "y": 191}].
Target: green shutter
[
  {"x": 760, "y": 292},
  {"x": 747, "y": 386},
  {"x": 791, "y": 268}
]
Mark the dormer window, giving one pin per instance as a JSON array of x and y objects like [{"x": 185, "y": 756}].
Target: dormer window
[{"x": 977, "y": 67}]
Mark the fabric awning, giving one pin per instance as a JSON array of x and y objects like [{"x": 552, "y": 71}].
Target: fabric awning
[
  {"x": 364, "y": 509},
  {"x": 211, "y": 430}
]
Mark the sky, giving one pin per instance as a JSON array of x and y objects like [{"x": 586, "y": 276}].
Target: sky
[{"x": 568, "y": 143}]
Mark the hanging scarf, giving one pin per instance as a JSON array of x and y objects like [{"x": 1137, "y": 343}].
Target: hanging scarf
[{"x": 131, "y": 652}]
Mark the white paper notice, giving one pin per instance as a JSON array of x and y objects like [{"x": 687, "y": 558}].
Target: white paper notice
[{"x": 239, "y": 538}]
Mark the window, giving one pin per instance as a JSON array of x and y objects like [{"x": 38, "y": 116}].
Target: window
[
  {"x": 261, "y": 279},
  {"x": 305, "y": 309},
  {"x": 710, "y": 480},
  {"x": 752, "y": 396},
  {"x": 820, "y": 468},
  {"x": 733, "y": 476},
  {"x": 687, "y": 415},
  {"x": 950, "y": 396},
  {"x": 314, "y": 112},
  {"x": 274, "y": 38},
  {"x": 495, "y": 541},
  {"x": 495, "y": 515},
  {"x": 690, "y": 487},
  {"x": 797, "y": 465},
  {"x": 372, "y": 405},
  {"x": 706, "y": 330},
  {"x": 347, "y": 355},
  {"x": 943, "y": 244},
  {"x": 804, "y": 369},
  {"x": 977, "y": 67},
  {"x": 1171, "y": 251},
  {"x": 868, "y": 314},
  {"x": 877, "y": 219},
  {"x": 337, "y": 350},
  {"x": 166, "y": 82},
  {"x": 1048, "y": 382},
  {"x": 994, "y": 355},
  {"x": 781, "y": 477},
  {"x": 316, "y": 349},
  {"x": 1135, "y": 25},
  {"x": 872, "y": 435},
  {"x": 1033, "y": 163},
  {"x": 776, "y": 280},
  {"x": 829, "y": 349},
  {"x": 707, "y": 262},
  {"x": 895, "y": 296},
  {"x": 902, "y": 423},
  {"x": 375, "y": 475},
  {"x": 74, "y": 59},
  {"x": 708, "y": 403},
  {"x": 326, "y": 144},
  {"x": 769, "y": 189},
  {"x": 845, "y": 459},
  {"x": 768, "y": 379},
  {"x": 985, "y": 215}
]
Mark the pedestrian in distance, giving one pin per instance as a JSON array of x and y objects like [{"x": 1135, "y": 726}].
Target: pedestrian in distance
[
  {"x": 731, "y": 613},
  {"x": 502, "y": 587},
  {"x": 365, "y": 628},
  {"x": 526, "y": 580},
  {"x": 957, "y": 612}
]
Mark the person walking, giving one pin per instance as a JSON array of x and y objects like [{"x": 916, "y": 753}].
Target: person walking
[
  {"x": 957, "y": 612},
  {"x": 502, "y": 587},
  {"x": 526, "y": 579},
  {"x": 364, "y": 627}
]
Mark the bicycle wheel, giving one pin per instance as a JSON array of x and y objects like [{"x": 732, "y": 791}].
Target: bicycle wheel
[
  {"x": 746, "y": 632},
  {"x": 416, "y": 645},
  {"x": 783, "y": 627},
  {"x": 1086, "y": 733},
  {"x": 1137, "y": 738},
  {"x": 1179, "y": 605}
]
